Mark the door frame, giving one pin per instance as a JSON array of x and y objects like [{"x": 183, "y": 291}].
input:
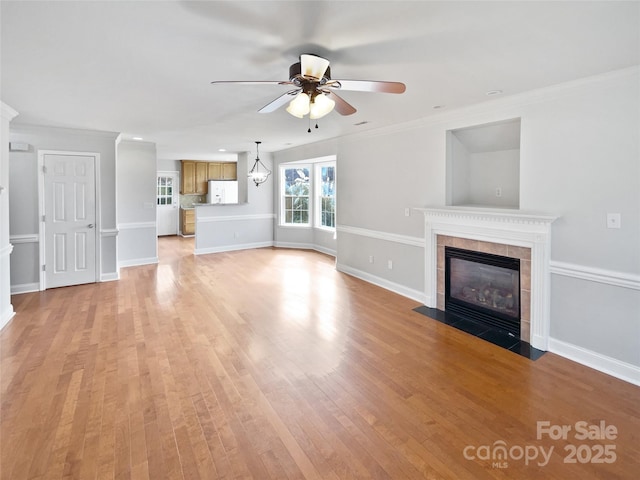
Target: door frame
[
  {"x": 176, "y": 189},
  {"x": 41, "y": 209}
]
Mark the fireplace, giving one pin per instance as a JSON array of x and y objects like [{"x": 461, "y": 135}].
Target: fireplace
[
  {"x": 511, "y": 233},
  {"x": 483, "y": 287}
]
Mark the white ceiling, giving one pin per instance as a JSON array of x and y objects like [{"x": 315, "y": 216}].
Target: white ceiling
[{"x": 144, "y": 68}]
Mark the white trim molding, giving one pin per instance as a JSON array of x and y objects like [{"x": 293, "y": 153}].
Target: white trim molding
[
  {"x": 109, "y": 232},
  {"x": 29, "y": 238},
  {"x": 25, "y": 288},
  {"x": 306, "y": 246},
  {"x": 134, "y": 226},
  {"x": 236, "y": 218},
  {"x": 6, "y": 316},
  {"x": 7, "y": 112},
  {"x": 508, "y": 227},
  {"x": 381, "y": 282},
  {"x": 600, "y": 275},
  {"x": 110, "y": 276},
  {"x": 6, "y": 251},
  {"x": 389, "y": 237},
  {"x": 138, "y": 262},
  {"x": 611, "y": 366},
  {"x": 231, "y": 248}
]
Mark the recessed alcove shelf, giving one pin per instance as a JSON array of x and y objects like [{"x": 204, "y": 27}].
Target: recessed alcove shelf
[{"x": 483, "y": 165}]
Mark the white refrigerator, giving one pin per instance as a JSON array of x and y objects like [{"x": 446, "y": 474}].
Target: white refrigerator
[{"x": 222, "y": 191}]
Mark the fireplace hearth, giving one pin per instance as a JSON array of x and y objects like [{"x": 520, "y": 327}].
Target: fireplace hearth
[{"x": 483, "y": 287}]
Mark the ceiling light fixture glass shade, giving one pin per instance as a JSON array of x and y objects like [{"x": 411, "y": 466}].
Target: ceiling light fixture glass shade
[
  {"x": 299, "y": 106},
  {"x": 257, "y": 175},
  {"x": 321, "y": 106},
  {"x": 313, "y": 66}
]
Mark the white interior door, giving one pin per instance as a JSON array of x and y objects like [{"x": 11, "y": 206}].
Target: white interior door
[
  {"x": 167, "y": 203},
  {"x": 70, "y": 219}
]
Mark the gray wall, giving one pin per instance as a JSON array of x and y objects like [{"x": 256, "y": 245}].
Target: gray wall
[
  {"x": 578, "y": 159},
  {"x": 136, "y": 203},
  {"x": 23, "y": 183},
  {"x": 248, "y": 224}
]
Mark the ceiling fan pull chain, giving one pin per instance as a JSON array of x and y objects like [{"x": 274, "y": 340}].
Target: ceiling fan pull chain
[{"x": 309, "y": 131}]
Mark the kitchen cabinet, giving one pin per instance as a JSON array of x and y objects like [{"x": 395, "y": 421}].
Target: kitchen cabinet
[
  {"x": 188, "y": 177},
  {"x": 188, "y": 221},
  {"x": 201, "y": 178},
  {"x": 229, "y": 171},
  {"x": 223, "y": 171},
  {"x": 194, "y": 175},
  {"x": 214, "y": 170}
]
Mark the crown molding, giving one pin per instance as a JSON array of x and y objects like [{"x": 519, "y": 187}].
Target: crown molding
[
  {"x": 7, "y": 112},
  {"x": 30, "y": 128},
  {"x": 500, "y": 107}
]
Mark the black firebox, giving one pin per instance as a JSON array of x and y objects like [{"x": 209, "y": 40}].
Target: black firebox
[{"x": 484, "y": 288}]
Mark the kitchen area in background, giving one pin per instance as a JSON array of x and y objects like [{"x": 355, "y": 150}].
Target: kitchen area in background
[{"x": 203, "y": 183}]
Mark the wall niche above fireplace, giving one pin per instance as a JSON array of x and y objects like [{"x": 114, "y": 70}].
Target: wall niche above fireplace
[{"x": 483, "y": 165}]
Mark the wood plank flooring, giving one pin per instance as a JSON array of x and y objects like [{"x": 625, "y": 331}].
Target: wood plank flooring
[{"x": 270, "y": 364}]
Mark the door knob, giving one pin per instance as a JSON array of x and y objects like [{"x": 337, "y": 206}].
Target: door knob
[{"x": 90, "y": 225}]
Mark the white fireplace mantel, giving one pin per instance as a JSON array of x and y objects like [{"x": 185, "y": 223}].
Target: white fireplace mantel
[{"x": 509, "y": 227}]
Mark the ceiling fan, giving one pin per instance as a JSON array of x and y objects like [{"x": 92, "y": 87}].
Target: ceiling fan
[{"x": 314, "y": 91}]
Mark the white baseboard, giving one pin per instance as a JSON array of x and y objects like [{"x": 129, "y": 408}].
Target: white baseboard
[
  {"x": 610, "y": 366},
  {"x": 25, "y": 288},
  {"x": 232, "y": 248},
  {"x": 6, "y": 317},
  {"x": 381, "y": 282},
  {"x": 110, "y": 277},
  {"x": 136, "y": 262},
  {"x": 306, "y": 246}
]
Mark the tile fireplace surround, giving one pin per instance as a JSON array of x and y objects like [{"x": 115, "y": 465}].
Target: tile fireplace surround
[{"x": 511, "y": 233}]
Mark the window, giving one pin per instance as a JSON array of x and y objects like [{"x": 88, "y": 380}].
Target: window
[
  {"x": 295, "y": 181},
  {"x": 165, "y": 190},
  {"x": 308, "y": 193},
  {"x": 326, "y": 194}
]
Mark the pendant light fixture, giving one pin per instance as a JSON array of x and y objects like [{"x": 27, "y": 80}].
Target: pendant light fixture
[{"x": 257, "y": 175}]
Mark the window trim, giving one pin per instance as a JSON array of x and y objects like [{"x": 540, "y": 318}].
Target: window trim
[
  {"x": 318, "y": 194},
  {"x": 290, "y": 166},
  {"x": 310, "y": 164}
]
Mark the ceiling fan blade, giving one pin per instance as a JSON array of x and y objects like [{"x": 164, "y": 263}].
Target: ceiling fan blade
[
  {"x": 280, "y": 101},
  {"x": 368, "y": 86},
  {"x": 342, "y": 107},
  {"x": 313, "y": 66},
  {"x": 254, "y": 82}
]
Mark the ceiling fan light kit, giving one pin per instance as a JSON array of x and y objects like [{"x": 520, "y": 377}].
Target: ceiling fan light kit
[
  {"x": 314, "y": 92},
  {"x": 320, "y": 106},
  {"x": 300, "y": 105}
]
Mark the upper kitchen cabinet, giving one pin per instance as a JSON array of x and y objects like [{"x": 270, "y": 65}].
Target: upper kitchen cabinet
[
  {"x": 229, "y": 171},
  {"x": 195, "y": 175},
  {"x": 201, "y": 178},
  {"x": 188, "y": 177},
  {"x": 214, "y": 170},
  {"x": 223, "y": 171}
]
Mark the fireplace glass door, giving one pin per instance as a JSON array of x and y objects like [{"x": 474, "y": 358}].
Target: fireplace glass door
[{"x": 484, "y": 287}]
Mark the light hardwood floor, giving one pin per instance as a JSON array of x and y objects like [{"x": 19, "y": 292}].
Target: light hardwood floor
[{"x": 270, "y": 364}]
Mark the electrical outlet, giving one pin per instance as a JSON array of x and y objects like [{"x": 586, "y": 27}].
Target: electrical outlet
[
  {"x": 371, "y": 259},
  {"x": 389, "y": 264},
  {"x": 498, "y": 191},
  {"x": 613, "y": 220}
]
